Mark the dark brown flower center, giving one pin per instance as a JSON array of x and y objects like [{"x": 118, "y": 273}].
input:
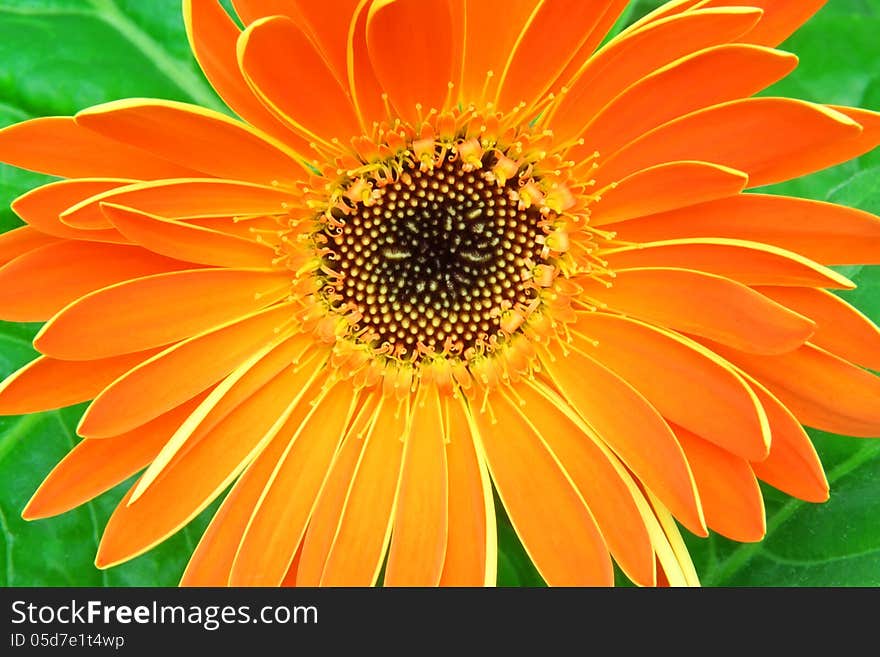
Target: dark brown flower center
[{"x": 433, "y": 261}]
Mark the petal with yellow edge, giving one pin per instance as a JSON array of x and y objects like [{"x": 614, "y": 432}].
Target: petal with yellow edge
[
  {"x": 47, "y": 383},
  {"x": 410, "y": 46},
  {"x": 686, "y": 383},
  {"x": 840, "y": 328},
  {"x": 151, "y": 388},
  {"x": 281, "y": 514},
  {"x": 792, "y": 465},
  {"x": 95, "y": 466},
  {"x": 287, "y": 74},
  {"x": 145, "y": 312},
  {"x": 632, "y": 56},
  {"x": 57, "y": 146},
  {"x": 613, "y": 408},
  {"x": 39, "y": 284},
  {"x": 199, "y": 475},
  {"x": 729, "y": 492},
  {"x": 197, "y": 138},
  {"x": 212, "y": 37},
  {"x": 822, "y": 390},
  {"x": 364, "y": 525},
  {"x": 750, "y": 263},
  {"x": 41, "y": 208},
  {"x": 599, "y": 478},
  {"x": 421, "y": 516},
  {"x": 714, "y": 75},
  {"x": 21, "y": 240},
  {"x": 471, "y": 543},
  {"x": 188, "y": 241},
  {"x": 174, "y": 199},
  {"x": 823, "y": 232},
  {"x": 654, "y": 190},
  {"x": 566, "y": 546},
  {"x": 770, "y": 139},
  {"x": 704, "y": 304}
]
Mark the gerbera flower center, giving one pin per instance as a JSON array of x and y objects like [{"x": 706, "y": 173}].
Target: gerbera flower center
[
  {"x": 436, "y": 257},
  {"x": 448, "y": 245}
]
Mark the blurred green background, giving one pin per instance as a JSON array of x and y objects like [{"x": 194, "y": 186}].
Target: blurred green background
[{"x": 58, "y": 56}]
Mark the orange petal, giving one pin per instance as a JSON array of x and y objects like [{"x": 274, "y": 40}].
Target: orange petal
[
  {"x": 840, "y": 328},
  {"x": 706, "y": 305},
  {"x": 290, "y": 576},
  {"x": 288, "y": 74},
  {"x": 410, "y": 46},
  {"x": 358, "y": 549},
  {"x": 471, "y": 546},
  {"x": 328, "y": 23},
  {"x": 366, "y": 92},
  {"x": 750, "y": 263},
  {"x": 42, "y": 207},
  {"x": 157, "y": 310},
  {"x": 245, "y": 227},
  {"x": 328, "y": 508},
  {"x": 565, "y": 545},
  {"x": 780, "y": 20},
  {"x": 175, "y": 199},
  {"x": 636, "y": 54},
  {"x": 792, "y": 465},
  {"x": 155, "y": 385},
  {"x": 200, "y": 474},
  {"x": 665, "y": 10},
  {"x": 188, "y": 242},
  {"x": 555, "y": 31},
  {"x": 458, "y": 17},
  {"x": 611, "y": 11},
  {"x": 212, "y": 36},
  {"x": 770, "y": 139},
  {"x": 281, "y": 515},
  {"x": 687, "y": 383},
  {"x": 824, "y": 232},
  {"x": 858, "y": 143},
  {"x": 625, "y": 420},
  {"x": 194, "y": 137},
  {"x": 702, "y": 79},
  {"x": 488, "y": 43},
  {"x": 418, "y": 540},
  {"x": 21, "y": 240},
  {"x": 331, "y": 25},
  {"x": 593, "y": 472},
  {"x": 59, "y": 147},
  {"x": 729, "y": 492},
  {"x": 46, "y": 383},
  {"x": 659, "y": 188},
  {"x": 822, "y": 390},
  {"x": 39, "y": 284},
  {"x": 234, "y": 390},
  {"x": 250, "y": 11},
  {"x": 211, "y": 561},
  {"x": 94, "y": 466},
  {"x": 227, "y": 397}
]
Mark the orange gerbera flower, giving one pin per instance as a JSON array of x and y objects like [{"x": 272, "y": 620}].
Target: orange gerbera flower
[{"x": 439, "y": 252}]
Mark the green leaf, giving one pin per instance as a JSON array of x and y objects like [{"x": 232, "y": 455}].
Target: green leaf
[
  {"x": 861, "y": 191},
  {"x": 62, "y": 55},
  {"x": 837, "y": 52}
]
